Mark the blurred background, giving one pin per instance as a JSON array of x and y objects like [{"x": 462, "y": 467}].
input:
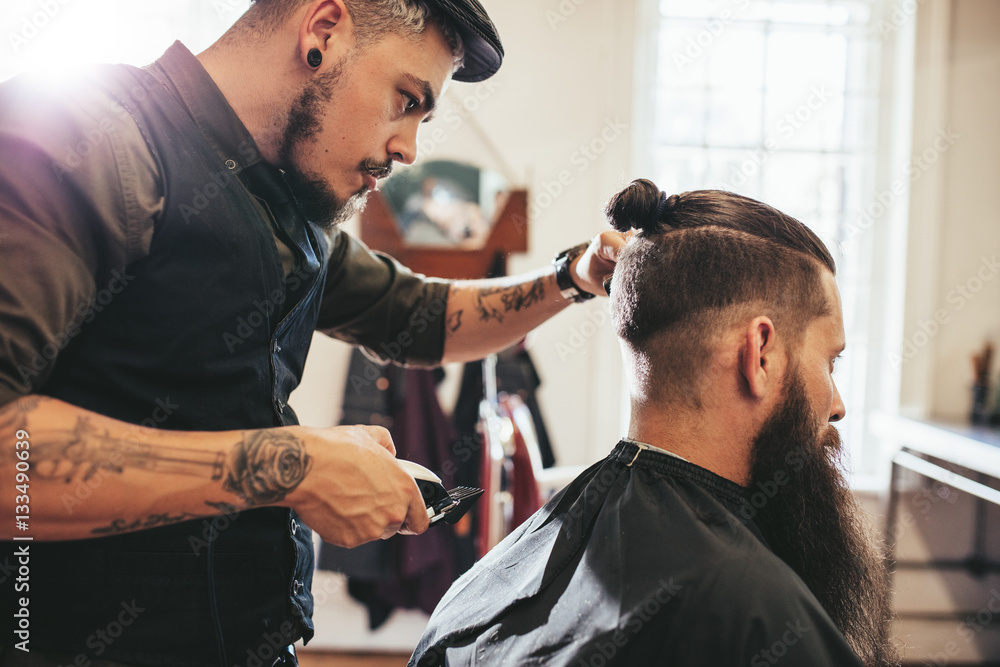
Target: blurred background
[{"x": 873, "y": 121}]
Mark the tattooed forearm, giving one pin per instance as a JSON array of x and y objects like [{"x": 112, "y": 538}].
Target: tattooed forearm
[
  {"x": 487, "y": 311},
  {"x": 14, "y": 415},
  {"x": 156, "y": 520},
  {"x": 85, "y": 451},
  {"x": 513, "y": 297},
  {"x": 228, "y": 509},
  {"x": 524, "y": 296},
  {"x": 152, "y": 521},
  {"x": 266, "y": 466}
]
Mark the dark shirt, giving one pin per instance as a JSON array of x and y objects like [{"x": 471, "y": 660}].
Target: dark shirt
[
  {"x": 642, "y": 560},
  {"x": 80, "y": 197}
]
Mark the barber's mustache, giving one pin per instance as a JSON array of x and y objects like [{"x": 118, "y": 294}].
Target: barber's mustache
[{"x": 377, "y": 169}]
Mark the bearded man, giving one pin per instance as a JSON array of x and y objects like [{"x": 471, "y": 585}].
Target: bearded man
[{"x": 721, "y": 530}]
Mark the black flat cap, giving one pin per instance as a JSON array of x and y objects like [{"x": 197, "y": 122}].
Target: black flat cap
[{"x": 483, "y": 50}]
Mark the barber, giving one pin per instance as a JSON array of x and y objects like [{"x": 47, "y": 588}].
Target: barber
[{"x": 169, "y": 244}]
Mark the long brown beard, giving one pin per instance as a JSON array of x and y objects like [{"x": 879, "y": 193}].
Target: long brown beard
[{"x": 815, "y": 524}]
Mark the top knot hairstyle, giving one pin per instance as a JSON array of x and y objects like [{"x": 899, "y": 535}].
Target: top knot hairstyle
[{"x": 701, "y": 262}]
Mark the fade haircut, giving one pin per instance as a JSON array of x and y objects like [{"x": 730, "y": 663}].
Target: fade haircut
[
  {"x": 373, "y": 19},
  {"x": 701, "y": 263}
]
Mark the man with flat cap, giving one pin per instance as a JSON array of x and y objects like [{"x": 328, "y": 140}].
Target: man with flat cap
[{"x": 159, "y": 286}]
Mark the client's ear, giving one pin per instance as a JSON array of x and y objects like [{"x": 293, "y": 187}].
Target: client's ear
[{"x": 759, "y": 358}]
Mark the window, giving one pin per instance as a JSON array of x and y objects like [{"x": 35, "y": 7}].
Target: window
[
  {"x": 58, "y": 35},
  {"x": 778, "y": 101}
]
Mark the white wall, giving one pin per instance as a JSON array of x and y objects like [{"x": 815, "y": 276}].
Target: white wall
[
  {"x": 565, "y": 81},
  {"x": 955, "y": 206}
]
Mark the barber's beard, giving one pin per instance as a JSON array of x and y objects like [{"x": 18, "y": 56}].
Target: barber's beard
[
  {"x": 314, "y": 195},
  {"x": 817, "y": 527}
]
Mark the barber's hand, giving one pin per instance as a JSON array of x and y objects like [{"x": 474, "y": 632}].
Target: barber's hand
[
  {"x": 355, "y": 492},
  {"x": 598, "y": 262}
]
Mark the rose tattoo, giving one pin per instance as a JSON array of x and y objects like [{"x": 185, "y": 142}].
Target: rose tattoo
[{"x": 266, "y": 466}]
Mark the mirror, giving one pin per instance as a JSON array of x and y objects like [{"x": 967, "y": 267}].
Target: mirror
[{"x": 444, "y": 203}]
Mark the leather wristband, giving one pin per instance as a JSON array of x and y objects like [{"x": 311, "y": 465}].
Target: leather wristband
[{"x": 563, "y": 262}]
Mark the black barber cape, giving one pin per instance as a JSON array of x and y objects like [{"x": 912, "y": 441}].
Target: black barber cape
[{"x": 643, "y": 560}]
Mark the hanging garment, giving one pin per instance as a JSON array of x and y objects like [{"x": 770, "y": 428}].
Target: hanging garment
[{"x": 405, "y": 571}]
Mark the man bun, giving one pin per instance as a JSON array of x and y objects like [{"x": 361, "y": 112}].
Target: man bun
[{"x": 640, "y": 206}]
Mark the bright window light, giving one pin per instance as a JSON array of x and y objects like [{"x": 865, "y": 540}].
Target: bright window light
[
  {"x": 53, "y": 37},
  {"x": 777, "y": 101}
]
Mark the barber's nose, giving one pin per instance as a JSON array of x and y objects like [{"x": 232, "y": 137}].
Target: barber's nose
[
  {"x": 838, "y": 411},
  {"x": 403, "y": 147}
]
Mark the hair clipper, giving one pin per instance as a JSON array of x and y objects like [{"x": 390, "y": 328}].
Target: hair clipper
[{"x": 441, "y": 503}]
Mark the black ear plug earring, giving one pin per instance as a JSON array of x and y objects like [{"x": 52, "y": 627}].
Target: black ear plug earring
[{"x": 314, "y": 58}]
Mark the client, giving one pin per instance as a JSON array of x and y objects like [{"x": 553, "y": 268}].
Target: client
[{"x": 721, "y": 531}]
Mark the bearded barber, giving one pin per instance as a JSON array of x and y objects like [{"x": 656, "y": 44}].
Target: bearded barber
[{"x": 211, "y": 189}]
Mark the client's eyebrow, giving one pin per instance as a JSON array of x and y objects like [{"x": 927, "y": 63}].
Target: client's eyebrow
[{"x": 428, "y": 101}]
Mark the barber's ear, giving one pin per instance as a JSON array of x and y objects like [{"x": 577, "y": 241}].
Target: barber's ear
[
  {"x": 759, "y": 357},
  {"x": 326, "y": 26}
]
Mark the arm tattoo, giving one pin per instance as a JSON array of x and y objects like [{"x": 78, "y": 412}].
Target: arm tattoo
[
  {"x": 513, "y": 297},
  {"x": 521, "y": 296},
  {"x": 455, "y": 321},
  {"x": 228, "y": 509},
  {"x": 156, "y": 520},
  {"x": 152, "y": 521},
  {"x": 14, "y": 415},
  {"x": 266, "y": 466},
  {"x": 63, "y": 454}
]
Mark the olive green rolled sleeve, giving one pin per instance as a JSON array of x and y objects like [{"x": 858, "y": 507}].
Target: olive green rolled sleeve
[
  {"x": 372, "y": 300},
  {"x": 78, "y": 195}
]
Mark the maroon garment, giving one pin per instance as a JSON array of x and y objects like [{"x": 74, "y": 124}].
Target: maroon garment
[{"x": 423, "y": 566}]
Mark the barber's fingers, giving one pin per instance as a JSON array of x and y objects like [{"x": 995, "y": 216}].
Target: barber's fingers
[
  {"x": 382, "y": 437},
  {"x": 416, "y": 520},
  {"x": 610, "y": 244},
  {"x": 602, "y": 256}
]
